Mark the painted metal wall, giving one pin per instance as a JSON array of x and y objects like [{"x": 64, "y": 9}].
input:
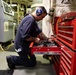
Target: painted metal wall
[{"x": 64, "y": 6}]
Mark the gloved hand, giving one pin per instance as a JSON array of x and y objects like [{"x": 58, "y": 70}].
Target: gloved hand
[
  {"x": 50, "y": 40},
  {"x": 37, "y": 40}
]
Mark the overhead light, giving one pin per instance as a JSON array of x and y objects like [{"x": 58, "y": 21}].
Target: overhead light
[{"x": 13, "y": 5}]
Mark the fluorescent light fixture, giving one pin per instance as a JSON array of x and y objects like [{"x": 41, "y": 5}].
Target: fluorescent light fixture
[{"x": 13, "y": 5}]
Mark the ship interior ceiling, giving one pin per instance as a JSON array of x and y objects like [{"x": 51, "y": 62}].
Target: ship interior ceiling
[{"x": 53, "y": 58}]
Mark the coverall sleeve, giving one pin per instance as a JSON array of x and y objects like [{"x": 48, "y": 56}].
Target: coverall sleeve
[{"x": 25, "y": 29}]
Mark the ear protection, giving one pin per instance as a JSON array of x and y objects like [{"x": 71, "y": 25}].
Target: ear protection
[{"x": 39, "y": 11}]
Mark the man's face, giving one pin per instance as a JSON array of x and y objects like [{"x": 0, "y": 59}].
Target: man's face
[{"x": 41, "y": 16}]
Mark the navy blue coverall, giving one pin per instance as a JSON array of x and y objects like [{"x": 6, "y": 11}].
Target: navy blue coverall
[{"x": 28, "y": 27}]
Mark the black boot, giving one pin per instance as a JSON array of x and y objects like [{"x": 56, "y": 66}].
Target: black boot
[{"x": 9, "y": 62}]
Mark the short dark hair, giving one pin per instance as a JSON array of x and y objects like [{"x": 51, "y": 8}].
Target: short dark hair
[{"x": 43, "y": 9}]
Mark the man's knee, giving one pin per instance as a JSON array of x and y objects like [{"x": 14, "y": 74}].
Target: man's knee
[{"x": 33, "y": 57}]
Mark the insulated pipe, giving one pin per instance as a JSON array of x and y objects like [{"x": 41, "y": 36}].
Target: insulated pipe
[
  {"x": 10, "y": 1},
  {"x": 51, "y": 4},
  {"x": 18, "y": 6},
  {"x": 46, "y": 24}
]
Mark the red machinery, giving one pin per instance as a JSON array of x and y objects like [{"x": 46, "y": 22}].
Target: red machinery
[{"x": 64, "y": 48}]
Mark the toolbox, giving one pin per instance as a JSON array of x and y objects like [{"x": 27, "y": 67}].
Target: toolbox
[{"x": 63, "y": 49}]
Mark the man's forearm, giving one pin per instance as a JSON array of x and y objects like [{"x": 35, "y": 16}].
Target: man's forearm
[
  {"x": 42, "y": 36},
  {"x": 32, "y": 39}
]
